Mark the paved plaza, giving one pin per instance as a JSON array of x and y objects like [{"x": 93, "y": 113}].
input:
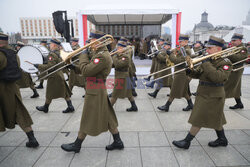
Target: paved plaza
[{"x": 147, "y": 135}]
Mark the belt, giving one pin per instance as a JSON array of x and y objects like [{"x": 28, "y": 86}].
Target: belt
[
  {"x": 203, "y": 83},
  {"x": 120, "y": 70},
  {"x": 97, "y": 80}
]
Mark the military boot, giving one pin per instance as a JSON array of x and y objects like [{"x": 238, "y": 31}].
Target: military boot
[
  {"x": 133, "y": 107},
  {"x": 32, "y": 140},
  {"x": 134, "y": 92},
  {"x": 35, "y": 94},
  {"x": 238, "y": 105},
  {"x": 44, "y": 108},
  {"x": 165, "y": 107},
  {"x": 221, "y": 141},
  {"x": 117, "y": 144},
  {"x": 40, "y": 86},
  {"x": 190, "y": 105},
  {"x": 154, "y": 94},
  {"x": 147, "y": 79},
  {"x": 110, "y": 95},
  {"x": 73, "y": 147},
  {"x": 185, "y": 143},
  {"x": 70, "y": 107}
]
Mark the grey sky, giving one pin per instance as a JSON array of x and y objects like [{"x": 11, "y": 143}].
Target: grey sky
[{"x": 221, "y": 12}]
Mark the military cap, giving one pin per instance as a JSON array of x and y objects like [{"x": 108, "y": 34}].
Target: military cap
[
  {"x": 237, "y": 36},
  {"x": 4, "y": 37},
  {"x": 96, "y": 34},
  {"x": 75, "y": 39},
  {"x": 55, "y": 41},
  {"x": 183, "y": 37},
  {"x": 123, "y": 39},
  {"x": 19, "y": 43},
  {"x": 44, "y": 41},
  {"x": 121, "y": 44},
  {"x": 215, "y": 41},
  {"x": 167, "y": 43}
]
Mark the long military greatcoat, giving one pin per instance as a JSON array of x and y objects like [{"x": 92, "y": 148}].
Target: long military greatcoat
[
  {"x": 123, "y": 85},
  {"x": 98, "y": 115},
  {"x": 161, "y": 64},
  {"x": 56, "y": 84},
  {"x": 12, "y": 110},
  {"x": 76, "y": 79},
  {"x": 209, "y": 102},
  {"x": 25, "y": 81},
  {"x": 233, "y": 84},
  {"x": 181, "y": 81}
]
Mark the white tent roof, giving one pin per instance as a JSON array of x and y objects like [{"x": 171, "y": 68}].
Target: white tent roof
[
  {"x": 245, "y": 30},
  {"x": 129, "y": 14}
]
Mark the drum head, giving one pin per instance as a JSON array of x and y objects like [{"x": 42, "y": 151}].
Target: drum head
[{"x": 31, "y": 54}]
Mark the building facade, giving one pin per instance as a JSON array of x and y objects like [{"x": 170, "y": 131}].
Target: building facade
[{"x": 35, "y": 29}]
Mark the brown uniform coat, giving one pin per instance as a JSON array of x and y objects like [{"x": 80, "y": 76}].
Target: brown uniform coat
[
  {"x": 121, "y": 88},
  {"x": 56, "y": 84},
  {"x": 161, "y": 64},
  {"x": 233, "y": 84},
  {"x": 76, "y": 79},
  {"x": 25, "y": 81},
  {"x": 12, "y": 110},
  {"x": 209, "y": 102},
  {"x": 98, "y": 115},
  {"x": 181, "y": 81}
]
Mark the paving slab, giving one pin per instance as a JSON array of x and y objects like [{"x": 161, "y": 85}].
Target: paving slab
[
  {"x": 244, "y": 150},
  {"x": 150, "y": 139},
  {"x": 158, "y": 157}
]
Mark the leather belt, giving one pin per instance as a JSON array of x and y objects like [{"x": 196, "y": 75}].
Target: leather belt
[{"x": 203, "y": 83}]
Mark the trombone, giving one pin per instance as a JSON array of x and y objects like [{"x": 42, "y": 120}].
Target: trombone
[
  {"x": 67, "y": 56},
  {"x": 113, "y": 52},
  {"x": 196, "y": 61},
  {"x": 241, "y": 62}
]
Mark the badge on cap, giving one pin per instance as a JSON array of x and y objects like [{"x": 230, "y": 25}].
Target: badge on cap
[
  {"x": 225, "y": 67},
  {"x": 96, "y": 61},
  {"x": 50, "y": 58},
  {"x": 123, "y": 58},
  {"x": 243, "y": 51}
]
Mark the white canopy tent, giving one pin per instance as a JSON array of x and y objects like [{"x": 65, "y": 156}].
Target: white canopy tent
[{"x": 143, "y": 14}]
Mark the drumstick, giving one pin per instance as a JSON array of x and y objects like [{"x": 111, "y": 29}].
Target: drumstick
[{"x": 29, "y": 62}]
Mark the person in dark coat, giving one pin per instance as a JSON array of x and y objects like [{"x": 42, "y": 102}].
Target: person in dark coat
[
  {"x": 12, "y": 109},
  {"x": 210, "y": 99}
]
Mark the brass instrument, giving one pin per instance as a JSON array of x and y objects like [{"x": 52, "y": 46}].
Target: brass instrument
[
  {"x": 121, "y": 50},
  {"x": 195, "y": 61},
  {"x": 67, "y": 56},
  {"x": 241, "y": 62}
]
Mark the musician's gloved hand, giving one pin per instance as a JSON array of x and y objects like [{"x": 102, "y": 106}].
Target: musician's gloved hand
[
  {"x": 36, "y": 65},
  {"x": 200, "y": 52},
  {"x": 71, "y": 66},
  {"x": 188, "y": 71}
]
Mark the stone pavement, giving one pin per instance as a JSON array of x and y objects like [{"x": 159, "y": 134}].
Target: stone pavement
[{"x": 147, "y": 135}]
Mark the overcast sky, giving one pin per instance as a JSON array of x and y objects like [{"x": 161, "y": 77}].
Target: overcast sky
[{"x": 220, "y": 12}]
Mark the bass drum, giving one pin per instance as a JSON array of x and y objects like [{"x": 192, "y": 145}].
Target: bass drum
[
  {"x": 44, "y": 51},
  {"x": 31, "y": 54}
]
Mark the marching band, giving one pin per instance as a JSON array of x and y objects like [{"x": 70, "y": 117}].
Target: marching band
[{"x": 218, "y": 69}]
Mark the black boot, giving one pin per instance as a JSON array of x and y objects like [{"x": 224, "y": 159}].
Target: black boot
[
  {"x": 117, "y": 144},
  {"x": 32, "y": 140},
  {"x": 194, "y": 94},
  {"x": 44, "y": 108},
  {"x": 70, "y": 107},
  {"x": 154, "y": 94},
  {"x": 35, "y": 94},
  {"x": 40, "y": 86},
  {"x": 165, "y": 107},
  {"x": 134, "y": 92},
  {"x": 151, "y": 84},
  {"x": 73, "y": 147},
  {"x": 133, "y": 107},
  {"x": 190, "y": 105},
  {"x": 221, "y": 141},
  {"x": 237, "y": 105},
  {"x": 83, "y": 96},
  {"x": 147, "y": 79},
  {"x": 185, "y": 143}
]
